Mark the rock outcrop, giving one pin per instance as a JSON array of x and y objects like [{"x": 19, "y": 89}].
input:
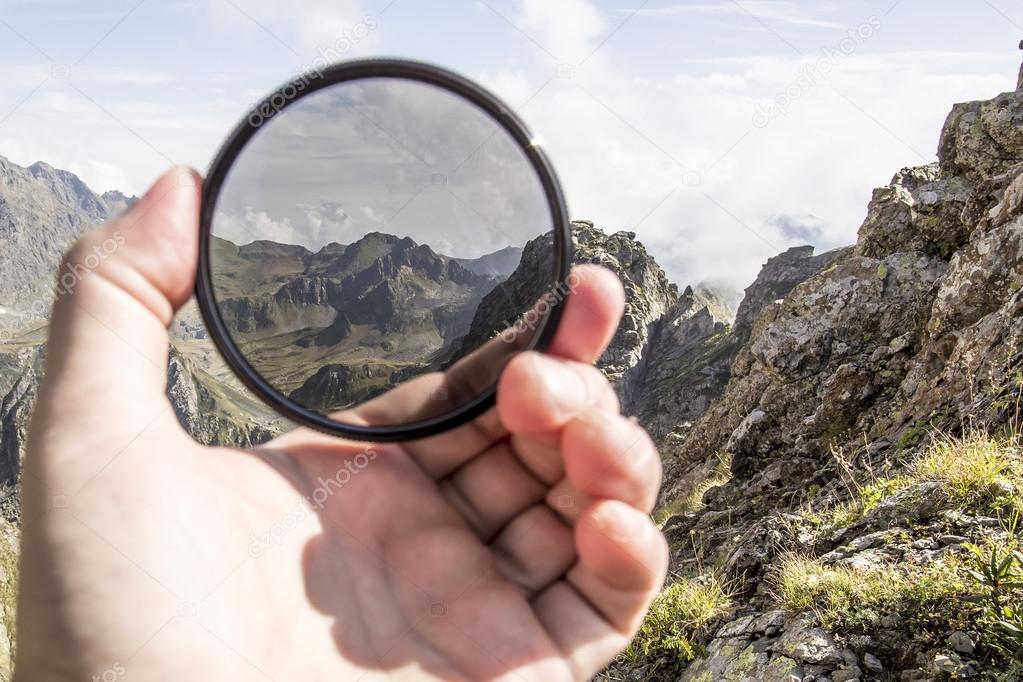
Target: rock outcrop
[
  {"x": 916, "y": 328},
  {"x": 25, "y": 365},
  {"x": 214, "y": 412},
  {"x": 648, "y": 293},
  {"x": 688, "y": 359}
]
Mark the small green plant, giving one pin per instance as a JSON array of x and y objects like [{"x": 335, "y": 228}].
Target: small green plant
[{"x": 996, "y": 577}]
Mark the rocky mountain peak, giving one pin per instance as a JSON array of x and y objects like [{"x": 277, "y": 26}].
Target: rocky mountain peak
[{"x": 648, "y": 292}]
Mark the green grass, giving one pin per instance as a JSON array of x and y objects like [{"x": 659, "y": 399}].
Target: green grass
[
  {"x": 976, "y": 473},
  {"x": 968, "y": 467},
  {"x": 866, "y": 499},
  {"x": 843, "y": 595},
  {"x": 676, "y": 619}
]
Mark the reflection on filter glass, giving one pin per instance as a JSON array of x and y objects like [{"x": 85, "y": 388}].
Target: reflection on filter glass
[{"x": 374, "y": 234}]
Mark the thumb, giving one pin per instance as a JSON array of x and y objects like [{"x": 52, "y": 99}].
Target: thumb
[{"x": 117, "y": 291}]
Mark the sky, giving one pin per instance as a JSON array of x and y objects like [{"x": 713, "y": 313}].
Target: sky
[
  {"x": 719, "y": 131},
  {"x": 383, "y": 155}
]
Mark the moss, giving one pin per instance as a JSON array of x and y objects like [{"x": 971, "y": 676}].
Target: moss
[
  {"x": 781, "y": 668},
  {"x": 692, "y": 500},
  {"x": 882, "y": 272},
  {"x": 916, "y": 433},
  {"x": 838, "y": 430},
  {"x": 745, "y": 664}
]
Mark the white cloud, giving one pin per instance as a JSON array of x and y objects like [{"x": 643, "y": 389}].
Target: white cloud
[
  {"x": 808, "y": 174},
  {"x": 771, "y": 11},
  {"x": 614, "y": 136},
  {"x": 109, "y": 140},
  {"x": 331, "y": 29},
  {"x": 372, "y": 215},
  {"x": 568, "y": 29}
]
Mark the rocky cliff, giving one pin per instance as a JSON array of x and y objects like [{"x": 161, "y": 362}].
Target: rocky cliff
[
  {"x": 688, "y": 357},
  {"x": 829, "y": 487}
]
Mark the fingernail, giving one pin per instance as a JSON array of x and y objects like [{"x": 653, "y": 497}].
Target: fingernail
[{"x": 635, "y": 524}]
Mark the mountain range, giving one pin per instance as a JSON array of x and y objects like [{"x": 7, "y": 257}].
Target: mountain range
[
  {"x": 819, "y": 510},
  {"x": 338, "y": 326}
]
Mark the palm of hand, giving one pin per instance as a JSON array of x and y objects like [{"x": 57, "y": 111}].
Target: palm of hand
[{"x": 517, "y": 546}]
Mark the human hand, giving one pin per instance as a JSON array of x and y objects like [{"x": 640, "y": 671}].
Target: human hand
[{"x": 518, "y": 546}]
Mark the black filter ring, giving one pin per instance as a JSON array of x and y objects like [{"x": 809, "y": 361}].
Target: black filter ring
[{"x": 274, "y": 104}]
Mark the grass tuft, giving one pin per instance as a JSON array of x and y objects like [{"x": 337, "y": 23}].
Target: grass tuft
[
  {"x": 843, "y": 595},
  {"x": 969, "y": 466},
  {"x": 676, "y": 618}
]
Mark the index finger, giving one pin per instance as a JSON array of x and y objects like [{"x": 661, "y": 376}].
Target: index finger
[{"x": 592, "y": 312}]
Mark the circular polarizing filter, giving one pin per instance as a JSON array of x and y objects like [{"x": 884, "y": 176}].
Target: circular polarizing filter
[{"x": 378, "y": 240}]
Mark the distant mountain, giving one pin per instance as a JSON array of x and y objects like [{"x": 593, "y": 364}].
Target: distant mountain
[
  {"x": 499, "y": 264},
  {"x": 722, "y": 298},
  {"x": 334, "y": 326},
  {"x": 57, "y": 207},
  {"x": 43, "y": 210}
]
